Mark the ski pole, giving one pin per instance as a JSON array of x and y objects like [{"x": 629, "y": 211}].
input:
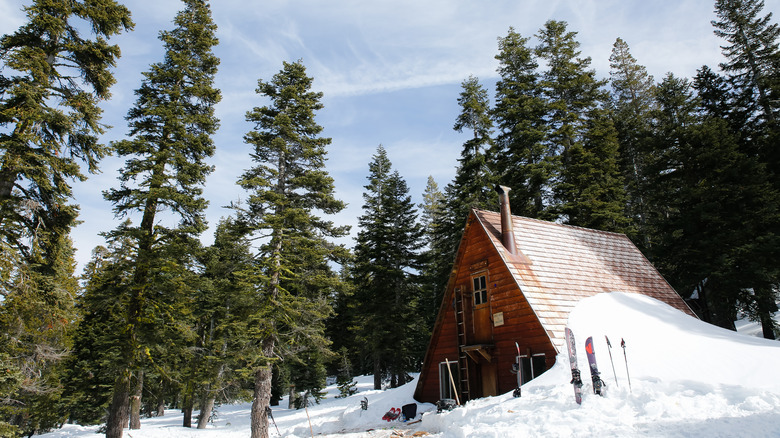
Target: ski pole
[
  {"x": 271, "y": 416},
  {"x": 623, "y": 344},
  {"x": 610, "y": 361}
]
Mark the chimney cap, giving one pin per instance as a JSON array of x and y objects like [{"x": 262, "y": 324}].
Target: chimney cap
[{"x": 502, "y": 189}]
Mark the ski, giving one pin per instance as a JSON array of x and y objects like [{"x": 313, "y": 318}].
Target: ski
[
  {"x": 575, "y": 371},
  {"x": 598, "y": 385},
  {"x": 517, "y": 368}
]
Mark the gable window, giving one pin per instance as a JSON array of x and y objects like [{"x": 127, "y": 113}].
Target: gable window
[{"x": 480, "y": 290}]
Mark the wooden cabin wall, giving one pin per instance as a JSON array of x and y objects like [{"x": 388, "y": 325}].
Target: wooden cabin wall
[{"x": 478, "y": 256}]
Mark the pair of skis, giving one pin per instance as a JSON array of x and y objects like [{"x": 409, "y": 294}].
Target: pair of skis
[{"x": 599, "y": 387}]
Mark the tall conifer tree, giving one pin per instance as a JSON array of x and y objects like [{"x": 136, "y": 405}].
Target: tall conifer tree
[
  {"x": 587, "y": 188},
  {"x": 751, "y": 55},
  {"x": 438, "y": 255},
  {"x": 521, "y": 155},
  {"x": 706, "y": 192},
  {"x": 171, "y": 125},
  {"x": 56, "y": 69},
  {"x": 633, "y": 100},
  {"x": 49, "y": 109},
  {"x": 386, "y": 290},
  {"x": 288, "y": 187}
]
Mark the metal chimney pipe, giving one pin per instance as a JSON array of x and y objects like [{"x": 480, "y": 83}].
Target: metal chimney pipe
[{"x": 507, "y": 229}]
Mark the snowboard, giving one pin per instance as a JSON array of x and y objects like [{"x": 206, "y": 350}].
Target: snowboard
[
  {"x": 575, "y": 371},
  {"x": 598, "y": 385},
  {"x": 517, "y": 368}
]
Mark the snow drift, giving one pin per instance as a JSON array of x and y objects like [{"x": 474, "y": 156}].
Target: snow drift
[{"x": 688, "y": 379}]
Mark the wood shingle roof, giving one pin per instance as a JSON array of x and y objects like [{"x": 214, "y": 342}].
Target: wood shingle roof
[{"x": 558, "y": 265}]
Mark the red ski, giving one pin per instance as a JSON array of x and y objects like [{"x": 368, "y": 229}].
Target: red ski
[{"x": 598, "y": 385}]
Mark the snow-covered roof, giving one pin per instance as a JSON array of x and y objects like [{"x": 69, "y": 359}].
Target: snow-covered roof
[{"x": 559, "y": 265}]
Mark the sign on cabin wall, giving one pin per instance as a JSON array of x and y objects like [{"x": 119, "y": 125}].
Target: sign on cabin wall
[{"x": 498, "y": 319}]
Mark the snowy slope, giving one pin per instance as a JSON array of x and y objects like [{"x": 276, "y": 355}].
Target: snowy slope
[{"x": 688, "y": 379}]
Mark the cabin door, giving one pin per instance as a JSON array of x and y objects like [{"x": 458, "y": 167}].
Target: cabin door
[
  {"x": 483, "y": 334},
  {"x": 483, "y": 325}
]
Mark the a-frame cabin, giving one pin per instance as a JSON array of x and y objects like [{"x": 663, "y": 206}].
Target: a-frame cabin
[{"x": 516, "y": 280}]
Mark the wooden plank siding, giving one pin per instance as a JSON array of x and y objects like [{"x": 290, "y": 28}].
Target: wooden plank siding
[{"x": 478, "y": 255}]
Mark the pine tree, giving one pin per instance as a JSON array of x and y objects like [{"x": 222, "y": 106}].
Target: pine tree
[
  {"x": 632, "y": 101},
  {"x": 753, "y": 74},
  {"x": 706, "y": 198},
  {"x": 171, "y": 125},
  {"x": 591, "y": 183},
  {"x": 472, "y": 187},
  {"x": 521, "y": 155},
  {"x": 437, "y": 257},
  {"x": 587, "y": 191},
  {"x": 751, "y": 55},
  {"x": 473, "y": 179},
  {"x": 222, "y": 306},
  {"x": 287, "y": 187},
  {"x": 386, "y": 290},
  {"x": 36, "y": 326},
  {"x": 52, "y": 80},
  {"x": 344, "y": 380},
  {"x": 49, "y": 111},
  {"x": 97, "y": 342}
]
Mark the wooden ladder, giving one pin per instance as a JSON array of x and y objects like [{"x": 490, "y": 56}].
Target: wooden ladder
[{"x": 463, "y": 358}]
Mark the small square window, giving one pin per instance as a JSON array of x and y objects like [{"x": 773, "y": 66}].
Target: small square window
[{"x": 480, "y": 290}]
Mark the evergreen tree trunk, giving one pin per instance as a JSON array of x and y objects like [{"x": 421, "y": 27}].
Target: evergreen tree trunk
[
  {"x": 160, "y": 407},
  {"x": 766, "y": 306},
  {"x": 767, "y": 326},
  {"x": 206, "y": 406},
  {"x": 262, "y": 394},
  {"x": 120, "y": 406},
  {"x": 377, "y": 373},
  {"x": 135, "y": 401},
  {"x": 291, "y": 398},
  {"x": 187, "y": 408}
]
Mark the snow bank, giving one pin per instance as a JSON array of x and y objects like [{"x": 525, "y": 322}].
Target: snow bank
[{"x": 688, "y": 379}]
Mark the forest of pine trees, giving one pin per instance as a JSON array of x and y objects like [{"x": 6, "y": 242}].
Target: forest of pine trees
[{"x": 686, "y": 167}]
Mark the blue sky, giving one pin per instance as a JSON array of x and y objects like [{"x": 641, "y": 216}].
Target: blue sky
[{"x": 390, "y": 72}]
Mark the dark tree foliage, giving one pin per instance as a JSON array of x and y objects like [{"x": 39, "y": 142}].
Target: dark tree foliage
[
  {"x": 436, "y": 259},
  {"x": 632, "y": 101},
  {"x": 751, "y": 54},
  {"x": 587, "y": 189},
  {"x": 387, "y": 293},
  {"x": 708, "y": 194},
  {"x": 520, "y": 155}
]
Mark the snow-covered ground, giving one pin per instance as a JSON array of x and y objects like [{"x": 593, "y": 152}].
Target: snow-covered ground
[{"x": 688, "y": 379}]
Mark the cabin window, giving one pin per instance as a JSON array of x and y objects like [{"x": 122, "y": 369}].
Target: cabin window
[
  {"x": 446, "y": 390},
  {"x": 480, "y": 290},
  {"x": 533, "y": 366}
]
